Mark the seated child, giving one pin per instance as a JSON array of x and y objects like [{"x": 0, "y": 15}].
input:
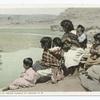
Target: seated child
[
  {"x": 56, "y": 50},
  {"x": 94, "y": 51},
  {"x": 56, "y": 47},
  {"x": 48, "y": 59},
  {"x": 27, "y": 79},
  {"x": 81, "y": 36}
]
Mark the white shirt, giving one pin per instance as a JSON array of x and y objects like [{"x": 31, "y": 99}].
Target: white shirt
[{"x": 82, "y": 38}]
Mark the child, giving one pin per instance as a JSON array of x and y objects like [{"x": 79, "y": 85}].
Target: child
[
  {"x": 82, "y": 38},
  {"x": 27, "y": 79},
  {"x": 68, "y": 39},
  {"x": 57, "y": 72},
  {"x": 56, "y": 47},
  {"x": 95, "y": 52},
  {"x": 48, "y": 60}
]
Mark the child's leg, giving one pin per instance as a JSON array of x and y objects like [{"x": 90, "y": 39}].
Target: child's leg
[
  {"x": 60, "y": 74},
  {"x": 36, "y": 77},
  {"x": 54, "y": 74}
]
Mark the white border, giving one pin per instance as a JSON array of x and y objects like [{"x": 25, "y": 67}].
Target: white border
[
  {"x": 49, "y": 4},
  {"x": 50, "y": 93}
]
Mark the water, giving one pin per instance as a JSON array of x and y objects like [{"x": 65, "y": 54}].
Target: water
[
  {"x": 28, "y": 30},
  {"x": 12, "y": 65}
]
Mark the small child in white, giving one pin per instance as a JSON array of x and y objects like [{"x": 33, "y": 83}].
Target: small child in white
[
  {"x": 27, "y": 79},
  {"x": 82, "y": 38}
]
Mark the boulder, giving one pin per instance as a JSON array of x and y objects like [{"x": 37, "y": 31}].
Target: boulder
[{"x": 90, "y": 79}]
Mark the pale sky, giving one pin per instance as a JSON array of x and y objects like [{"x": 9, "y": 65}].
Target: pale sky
[
  {"x": 54, "y": 11},
  {"x": 50, "y": 2},
  {"x": 43, "y": 6}
]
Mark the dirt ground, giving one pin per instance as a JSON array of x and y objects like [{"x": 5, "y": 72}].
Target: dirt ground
[{"x": 68, "y": 84}]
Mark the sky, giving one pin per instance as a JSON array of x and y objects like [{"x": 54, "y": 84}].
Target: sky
[
  {"x": 42, "y": 6},
  {"x": 22, "y": 11},
  {"x": 49, "y": 1}
]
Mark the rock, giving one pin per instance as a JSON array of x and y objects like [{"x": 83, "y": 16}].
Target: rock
[
  {"x": 94, "y": 71},
  {"x": 91, "y": 78},
  {"x": 55, "y": 28}
]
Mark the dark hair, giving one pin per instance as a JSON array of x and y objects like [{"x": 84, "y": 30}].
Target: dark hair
[
  {"x": 46, "y": 43},
  {"x": 57, "y": 42},
  {"x": 97, "y": 36},
  {"x": 82, "y": 27},
  {"x": 68, "y": 24},
  {"x": 28, "y": 62}
]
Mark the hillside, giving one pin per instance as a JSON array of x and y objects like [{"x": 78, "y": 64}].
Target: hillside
[
  {"x": 85, "y": 16},
  {"x": 26, "y": 19}
]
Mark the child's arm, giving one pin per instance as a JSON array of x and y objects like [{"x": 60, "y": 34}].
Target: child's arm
[
  {"x": 22, "y": 74},
  {"x": 54, "y": 49}
]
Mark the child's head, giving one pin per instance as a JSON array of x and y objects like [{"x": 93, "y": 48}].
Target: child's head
[
  {"x": 27, "y": 63},
  {"x": 97, "y": 39},
  {"x": 67, "y": 25},
  {"x": 80, "y": 29},
  {"x": 46, "y": 43},
  {"x": 57, "y": 42}
]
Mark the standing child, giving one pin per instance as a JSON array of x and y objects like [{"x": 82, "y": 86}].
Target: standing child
[
  {"x": 27, "y": 79},
  {"x": 56, "y": 50}
]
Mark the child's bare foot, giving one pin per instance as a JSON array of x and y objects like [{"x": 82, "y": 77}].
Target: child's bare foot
[
  {"x": 53, "y": 79},
  {"x": 54, "y": 82}
]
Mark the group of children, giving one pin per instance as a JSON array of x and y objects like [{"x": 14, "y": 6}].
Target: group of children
[
  {"x": 72, "y": 36},
  {"x": 51, "y": 59}
]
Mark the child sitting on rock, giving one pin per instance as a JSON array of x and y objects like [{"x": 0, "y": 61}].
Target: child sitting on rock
[
  {"x": 27, "y": 79},
  {"x": 94, "y": 58}
]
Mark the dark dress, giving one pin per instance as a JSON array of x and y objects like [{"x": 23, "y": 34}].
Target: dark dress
[{"x": 69, "y": 39}]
